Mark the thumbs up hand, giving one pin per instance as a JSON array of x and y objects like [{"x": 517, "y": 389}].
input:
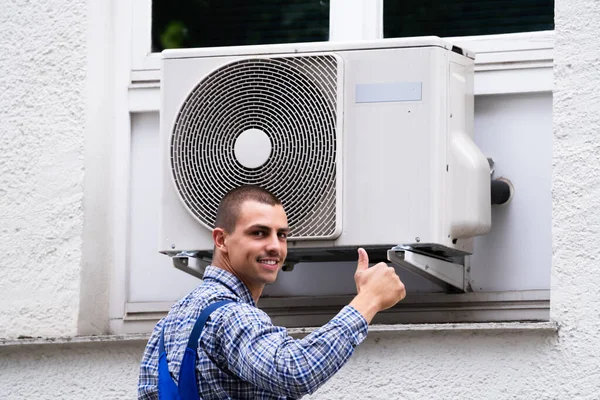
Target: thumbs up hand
[
  {"x": 363, "y": 265},
  {"x": 378, "y": 287}
]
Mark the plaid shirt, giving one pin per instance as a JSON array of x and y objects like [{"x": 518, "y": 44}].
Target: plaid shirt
[{"x": 241, "y": 355}]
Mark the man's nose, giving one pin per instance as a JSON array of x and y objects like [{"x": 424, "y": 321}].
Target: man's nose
[{"x": 274, "y": 244}]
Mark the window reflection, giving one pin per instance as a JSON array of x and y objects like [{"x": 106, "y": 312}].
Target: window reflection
[
  {"x": 466, "y": 17},
  {"x": 209, "y": 23}
]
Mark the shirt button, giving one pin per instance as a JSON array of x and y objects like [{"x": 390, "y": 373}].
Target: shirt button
[{"x": 361, "y": 336}]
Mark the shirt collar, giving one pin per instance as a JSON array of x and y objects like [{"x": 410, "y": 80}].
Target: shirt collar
[{"x": 230, "y": 281}]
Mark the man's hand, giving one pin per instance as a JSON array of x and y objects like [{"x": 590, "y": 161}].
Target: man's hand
[{"x": 378, "y": 287}]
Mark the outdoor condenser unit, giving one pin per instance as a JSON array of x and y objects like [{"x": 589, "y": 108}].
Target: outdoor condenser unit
[{"x": 367, "y": 144}]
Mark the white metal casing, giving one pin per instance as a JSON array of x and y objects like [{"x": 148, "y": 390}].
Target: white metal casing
[{"x": 410, "y": 173}]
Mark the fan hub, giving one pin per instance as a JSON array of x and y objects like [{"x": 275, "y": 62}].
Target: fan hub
[{"x": 252, "y": 148}]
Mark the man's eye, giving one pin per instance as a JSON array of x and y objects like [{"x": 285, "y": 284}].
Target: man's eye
[
  {"x": 258, "y": 233},
  {"x": 283, "y": 235}
]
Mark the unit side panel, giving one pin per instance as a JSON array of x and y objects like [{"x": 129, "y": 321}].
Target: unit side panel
[{"x": 388, "y": 146}]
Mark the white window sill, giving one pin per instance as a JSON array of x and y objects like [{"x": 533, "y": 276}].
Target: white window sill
[
  {"x": 379, "y": 330},
  {"x": 434, "y": 310},
  {"x": 482, "y": 327},
  {"x": 37, "y": 341}
]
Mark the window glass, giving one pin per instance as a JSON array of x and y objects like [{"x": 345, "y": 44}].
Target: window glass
[
  {"x": 450, "y": 18},
  {"x": 209, "y": 23}
]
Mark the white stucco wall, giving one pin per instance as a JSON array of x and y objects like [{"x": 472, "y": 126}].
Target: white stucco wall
[
  {"x": 456, "y": 365},
  {"x": 88, "y": 371},
  {"x": 42, "y": 121},
  {"x": 409, "y": 366}
]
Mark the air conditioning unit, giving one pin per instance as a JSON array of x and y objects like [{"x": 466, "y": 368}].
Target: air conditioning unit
[{"x": 367, "y": 144}]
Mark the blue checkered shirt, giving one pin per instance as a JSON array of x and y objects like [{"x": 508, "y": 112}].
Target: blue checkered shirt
[{"x": 241, "y": 354}]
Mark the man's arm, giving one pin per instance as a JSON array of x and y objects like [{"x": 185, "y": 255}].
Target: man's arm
[{"x": 264, "y": 355}]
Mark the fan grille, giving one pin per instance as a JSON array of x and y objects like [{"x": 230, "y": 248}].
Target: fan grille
[{"x": 290, "y": 100}]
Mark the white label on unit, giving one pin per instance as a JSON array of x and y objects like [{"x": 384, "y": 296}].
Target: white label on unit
[{"x": 388, "y": 92}]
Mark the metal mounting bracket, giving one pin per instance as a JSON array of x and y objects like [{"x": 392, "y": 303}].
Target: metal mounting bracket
[
  {"x": 191, "y": 263},
  {"x": 445, "y": 273}
]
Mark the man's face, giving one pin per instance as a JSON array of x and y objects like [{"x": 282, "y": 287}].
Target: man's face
[{"x": 257, "y": 247}]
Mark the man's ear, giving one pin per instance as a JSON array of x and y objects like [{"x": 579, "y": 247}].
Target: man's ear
[{"x": 218, "y": 235}]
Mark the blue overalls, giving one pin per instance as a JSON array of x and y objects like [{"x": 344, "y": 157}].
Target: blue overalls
[{"x": 188, "y": 387}]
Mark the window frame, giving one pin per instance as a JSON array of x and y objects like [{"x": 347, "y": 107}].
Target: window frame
[{"x": 505, "y": 64}]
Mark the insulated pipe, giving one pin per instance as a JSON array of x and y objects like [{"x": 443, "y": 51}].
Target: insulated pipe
[{"x": 502, "y": 191}]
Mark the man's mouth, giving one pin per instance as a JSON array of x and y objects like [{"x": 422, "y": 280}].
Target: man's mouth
[{"x": 268, "y": 261}]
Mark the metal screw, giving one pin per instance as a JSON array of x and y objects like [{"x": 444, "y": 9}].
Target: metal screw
[
  {"x": 418, "y": 239},
  {"x": 172, "y": 246}
]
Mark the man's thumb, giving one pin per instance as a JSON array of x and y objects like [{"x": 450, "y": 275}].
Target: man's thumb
[{"x": 363, "y": 260}]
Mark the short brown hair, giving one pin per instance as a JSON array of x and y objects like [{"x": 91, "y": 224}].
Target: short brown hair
[{"x": 229, "y": 208}]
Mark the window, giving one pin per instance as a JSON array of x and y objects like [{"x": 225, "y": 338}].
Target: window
[
  {"x": 210, "y": 23},
  {"x": 513, "y": 88},
  {"x": 466, "y": 17}
]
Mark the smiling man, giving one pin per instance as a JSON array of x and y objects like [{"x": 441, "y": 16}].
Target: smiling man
[{"x": 238, "y": 353}]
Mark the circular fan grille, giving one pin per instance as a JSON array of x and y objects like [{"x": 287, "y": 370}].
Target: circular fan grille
[{"x": 269, "y": 122}]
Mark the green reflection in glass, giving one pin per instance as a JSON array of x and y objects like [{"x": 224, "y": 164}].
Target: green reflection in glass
[{"x": 209, "y": 23}]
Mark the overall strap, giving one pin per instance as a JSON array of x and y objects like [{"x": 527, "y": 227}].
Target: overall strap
[
  {"x": 167, "y": 389},
  {"x": 195, "y": 335},
  {"x": 161, "y": 342},
  {"x": 188, "y": 386}
]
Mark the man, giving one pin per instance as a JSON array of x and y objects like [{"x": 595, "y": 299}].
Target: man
[{"x": 241, "y": 355}]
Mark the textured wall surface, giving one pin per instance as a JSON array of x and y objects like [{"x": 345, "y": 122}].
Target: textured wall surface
[
  {"x": 408, "y": 366},
  {"x": 42, "y": 103},
  {"x": 529, "y": 365},
  {"x": 450, "y": 366},
  {"x": 90, "y": 371}
]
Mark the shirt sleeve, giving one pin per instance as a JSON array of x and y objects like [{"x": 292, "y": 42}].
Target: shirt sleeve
[{"x": 265, "y": 355}]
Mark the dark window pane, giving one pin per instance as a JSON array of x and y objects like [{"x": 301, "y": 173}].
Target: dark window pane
[
  {"x": 466, "y": 17},
  {"x": 209, "y": 23}
]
